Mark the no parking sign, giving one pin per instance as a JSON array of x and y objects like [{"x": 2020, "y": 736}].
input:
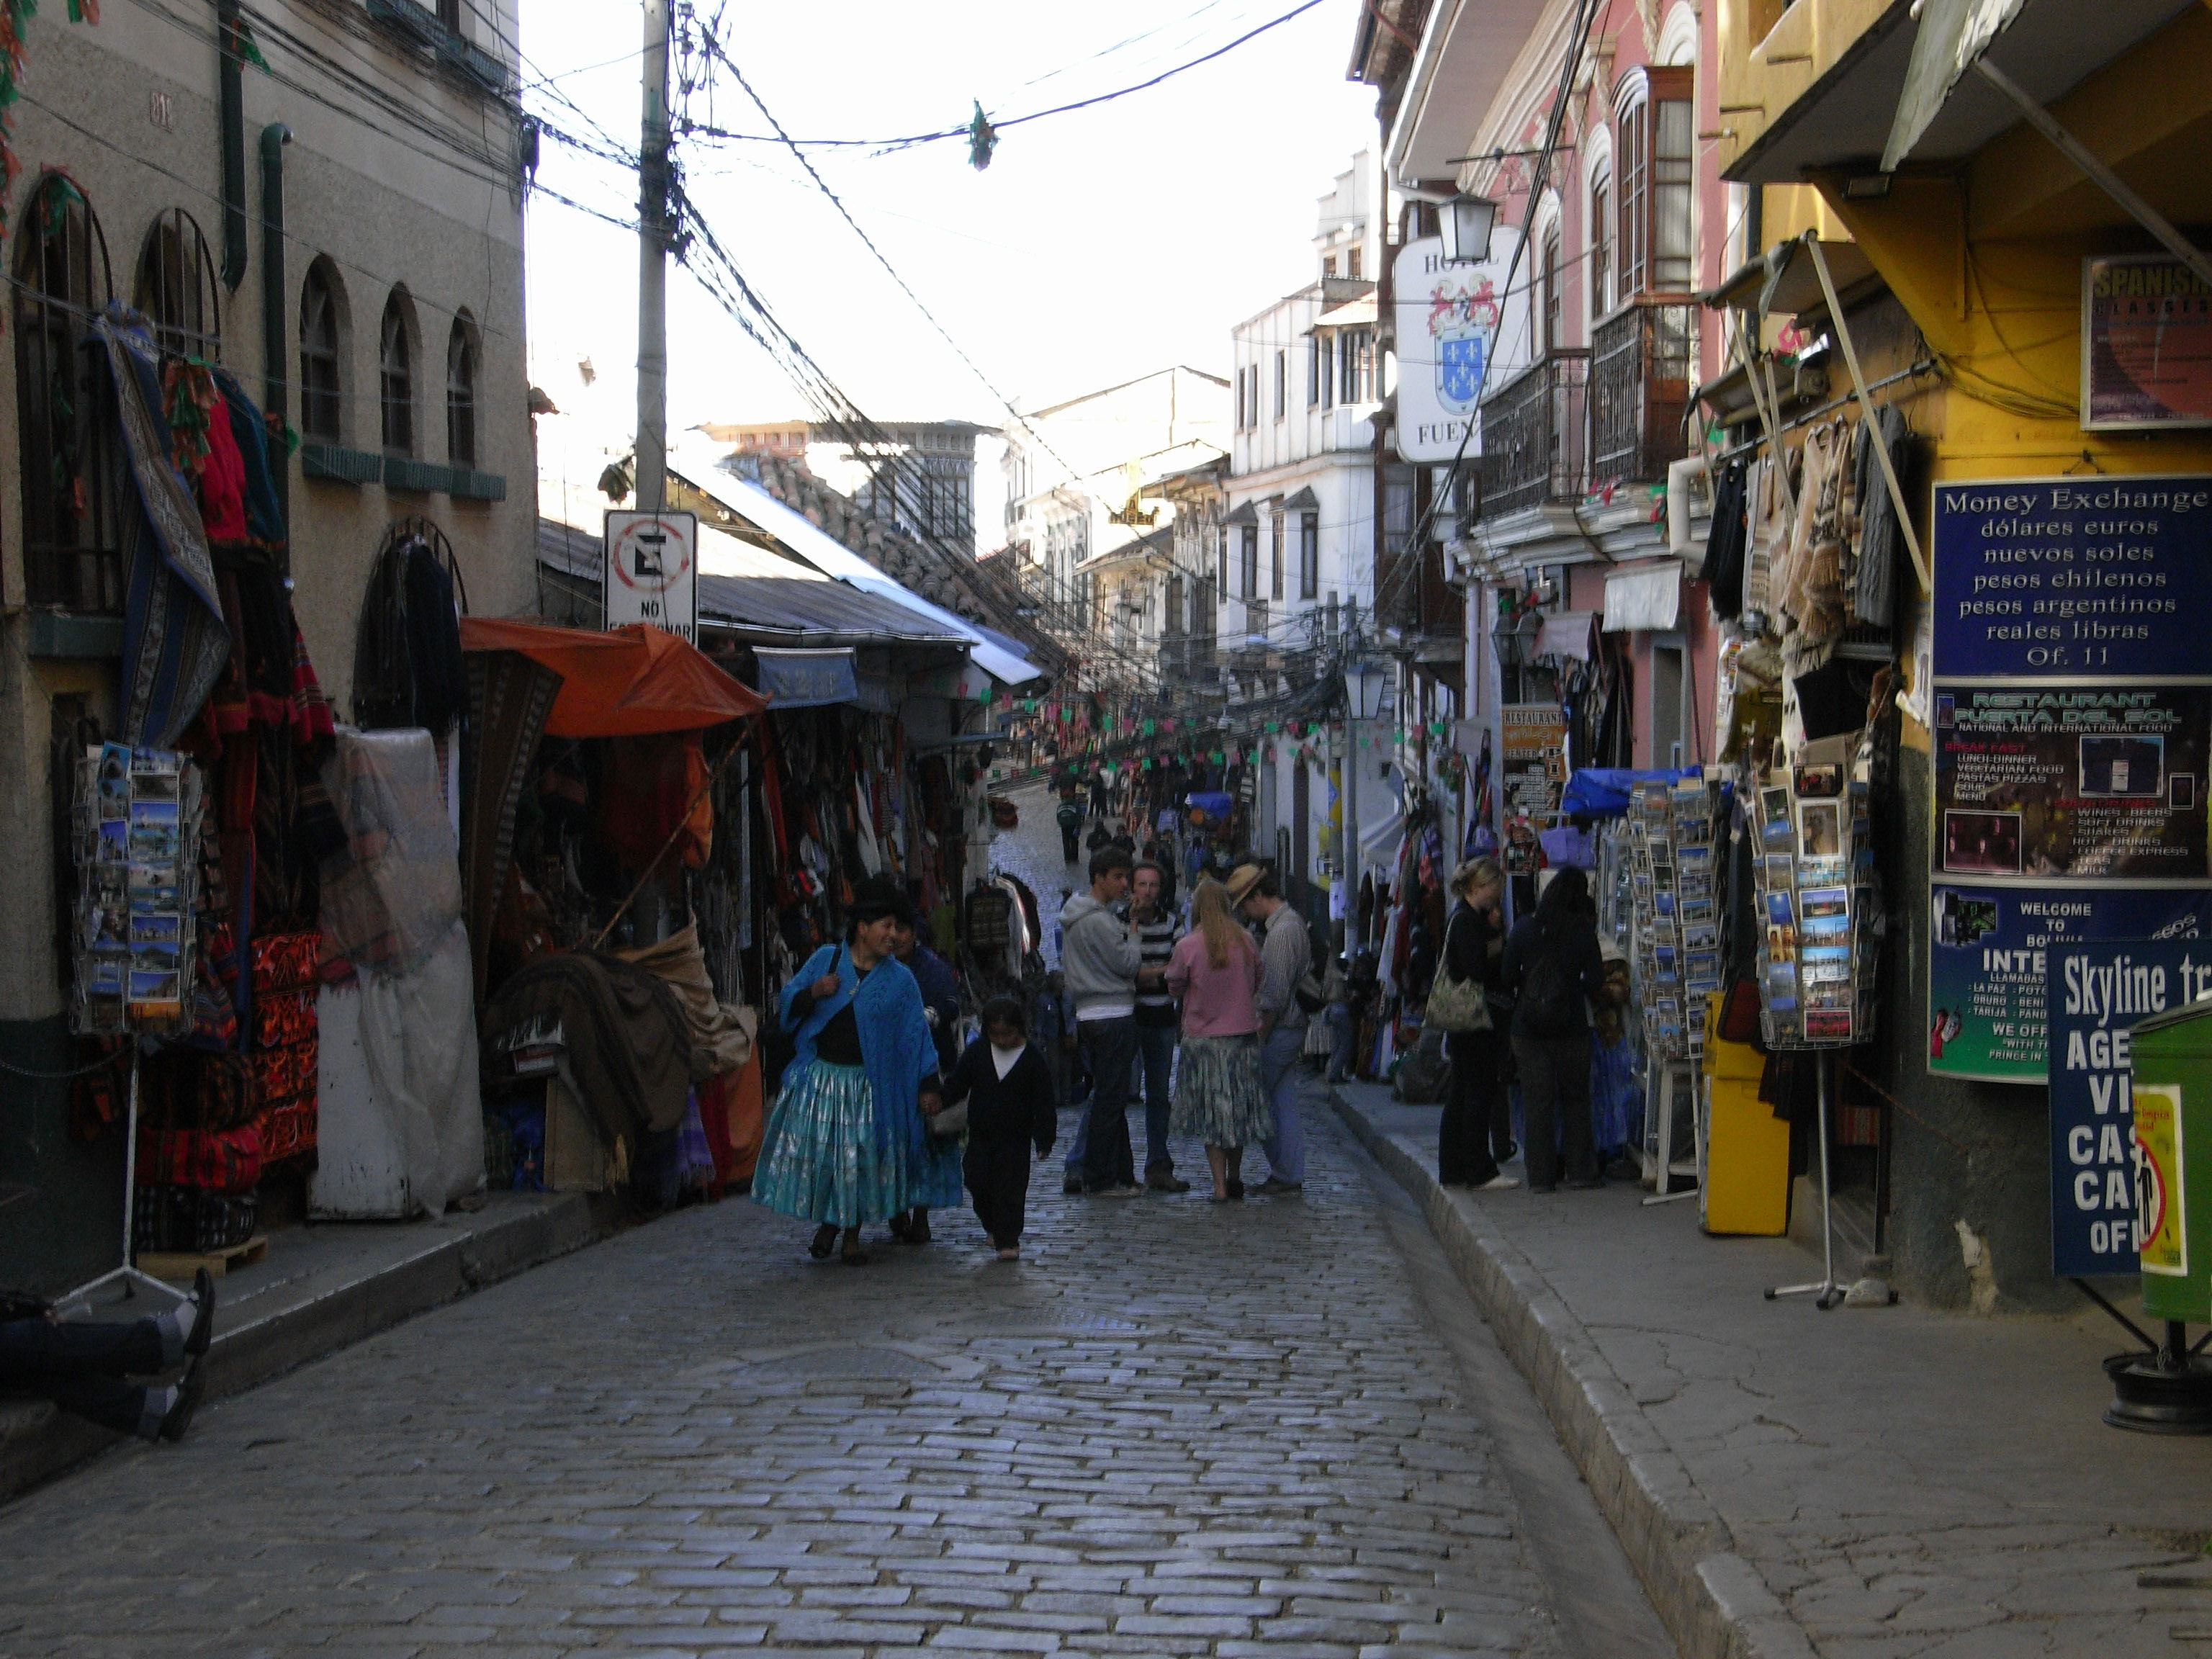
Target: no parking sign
[{"x": 652, "y": 571}]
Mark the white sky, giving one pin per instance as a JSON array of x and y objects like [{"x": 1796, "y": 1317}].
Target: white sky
[{"x": 1098, "y": 246}]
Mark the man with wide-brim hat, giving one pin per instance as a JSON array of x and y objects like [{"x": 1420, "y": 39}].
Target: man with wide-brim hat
[{"x": 1286, "y": 957}]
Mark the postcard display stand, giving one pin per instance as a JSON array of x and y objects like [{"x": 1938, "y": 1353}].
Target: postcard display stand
[
  {"x": 137, "y": 824},
  {"x": 1673, "y": 876},
  {"x": 1819, "y": 908}
]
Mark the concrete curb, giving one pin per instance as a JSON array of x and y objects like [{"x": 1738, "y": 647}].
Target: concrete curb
[
  {"x": 38, "y": 1442},
  {"x": 1711, "y": 1599}
]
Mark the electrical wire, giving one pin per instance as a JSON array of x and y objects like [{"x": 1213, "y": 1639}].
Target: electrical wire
[{"x": 885, "y": 146}]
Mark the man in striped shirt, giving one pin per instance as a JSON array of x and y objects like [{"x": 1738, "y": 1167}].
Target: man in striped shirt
[{"x": 1157, "y": 1021}]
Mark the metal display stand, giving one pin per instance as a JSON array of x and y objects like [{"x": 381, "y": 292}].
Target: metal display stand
[
  {"x": 1826, "y": 1293},
  {"x": 1661, "y": 1191},
  {"x": 77, "y": 1303}
]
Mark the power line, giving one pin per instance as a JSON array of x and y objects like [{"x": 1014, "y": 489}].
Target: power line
[{"x": 887, "y": 145}]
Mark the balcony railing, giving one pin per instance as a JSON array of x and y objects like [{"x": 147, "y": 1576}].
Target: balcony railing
[
  {"x": 1641, "y": 364},
  {"x": 1535, "y": 436}
]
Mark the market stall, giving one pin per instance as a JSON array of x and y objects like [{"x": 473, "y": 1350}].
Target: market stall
[{"x": 611, "y": 1058}]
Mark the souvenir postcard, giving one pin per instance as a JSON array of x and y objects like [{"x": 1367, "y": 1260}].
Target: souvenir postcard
[
  {"x": 1835, "y": 928},
  {"x": 1819, "y": 829},
  {"x": 1828, "y": 1025},
  {"x": 1702, "y": 937},
  {"x": 1699, "y": 911},
  {"x": 1778, "y": 911},
  {"x": 1825, "y": 900}
]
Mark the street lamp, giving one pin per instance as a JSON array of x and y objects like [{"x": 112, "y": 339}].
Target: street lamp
[
  {"x": 1364, "y": 683},
  {"x": 1466, "y": 222}
]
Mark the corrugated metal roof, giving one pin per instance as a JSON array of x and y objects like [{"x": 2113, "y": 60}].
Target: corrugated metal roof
[{"x": 806, "y": 611}]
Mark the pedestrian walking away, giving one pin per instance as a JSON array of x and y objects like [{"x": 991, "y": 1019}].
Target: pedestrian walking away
[
  {"x": 1101, "y": 953},
  {"x": 848, "y": 1145},
  {"x": 1476, "y": 1133},
  {"x": 1069, "y": 817},
  {"x": 84, "y": 1366},
  {"x": 1553, "y": 967},
  {"x": 1285, "y": 957},
  {"x": 1215, "y": 969},
  {"x": 1156, "y": 1022},
  {"x": 1012, "y": 1107}
]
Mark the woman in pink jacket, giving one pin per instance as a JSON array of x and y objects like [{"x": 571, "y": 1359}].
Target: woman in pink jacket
[{"x": 1215, "y": 970}]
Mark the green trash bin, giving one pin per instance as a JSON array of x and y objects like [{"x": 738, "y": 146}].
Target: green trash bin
[{"x": 2173, "y": 1107}]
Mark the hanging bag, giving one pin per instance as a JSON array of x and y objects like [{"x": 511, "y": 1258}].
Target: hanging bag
[{"x": 1456, "y": 1005}]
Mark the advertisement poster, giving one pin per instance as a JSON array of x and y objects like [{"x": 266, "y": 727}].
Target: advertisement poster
[
  {"x": 2072, "y": 711},
  {"x": 2146, "y": 343},
  {"x": 1533, "y": 771},
  {"x": 2164, "y": 1218},
  {"x": 1989, "y": 961},
  {"x": 2072, "y": 781},
  {"x": 2096, "y": 993}
]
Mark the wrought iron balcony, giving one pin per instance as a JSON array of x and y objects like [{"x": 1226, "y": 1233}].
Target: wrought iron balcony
[
  {"x": 1642, "y": 361},
  {"x": 1536, "y": 436}
]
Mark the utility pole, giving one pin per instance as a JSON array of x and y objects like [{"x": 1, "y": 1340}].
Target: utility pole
[{"x": 653, "y": 267}]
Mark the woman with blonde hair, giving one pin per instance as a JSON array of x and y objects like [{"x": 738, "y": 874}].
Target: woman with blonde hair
[
  {"x": 1215, "y": 970},
  {"x": 1476, "y": 1135}
]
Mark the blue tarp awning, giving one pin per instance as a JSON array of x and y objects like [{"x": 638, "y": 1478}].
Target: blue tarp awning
[
  {"x": 1602, "y": 792},
  {"x": 805, "y": 679}
]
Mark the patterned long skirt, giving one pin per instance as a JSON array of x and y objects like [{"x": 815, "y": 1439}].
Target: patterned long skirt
[
  {"x": 1218, "y": 1097},
  {"x": 821, "y": 1162}
]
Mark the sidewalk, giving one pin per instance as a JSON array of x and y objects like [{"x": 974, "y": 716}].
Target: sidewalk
[
  {"x": 319, "y": 1289},
  {"x": 1863, "y": 1484}
]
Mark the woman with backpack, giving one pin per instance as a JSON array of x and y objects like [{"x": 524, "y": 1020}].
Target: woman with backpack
[
  {"x": 1553, "y": 967},
  {"x": 1476, "y": 1135}
]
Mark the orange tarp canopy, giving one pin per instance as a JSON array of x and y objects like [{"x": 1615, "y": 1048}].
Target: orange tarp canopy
[{"x": 627, "y": 683}]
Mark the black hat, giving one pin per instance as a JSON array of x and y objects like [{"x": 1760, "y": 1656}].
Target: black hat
[{"x": 875, "y": 897}]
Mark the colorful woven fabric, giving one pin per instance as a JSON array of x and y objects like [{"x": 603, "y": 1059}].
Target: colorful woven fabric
[
  {"x": 283, "y": 1018},
  {"x": 282, "y": 1074},
  {"x": 211, "y": 1160},
  {"x": 285, "y": 962},
  {"x": 288, "y": 1130}
]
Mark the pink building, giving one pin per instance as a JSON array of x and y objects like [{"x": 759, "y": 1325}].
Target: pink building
[{"x": 1592, "y": 124}]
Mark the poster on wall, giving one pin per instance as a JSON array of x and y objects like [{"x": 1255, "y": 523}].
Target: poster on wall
[
  {"x": 2146, "y": 343},
  {"x": 2072, "y": 780},
  {"x": 1534, "y": 770},
  {"x": 2072, "y": 726},
  {"x": 1990, "y": 954},
  {"x": 2096, "y": 993}
]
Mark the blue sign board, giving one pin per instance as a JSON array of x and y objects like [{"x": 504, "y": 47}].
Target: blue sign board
[
  {"x": 2094, "y": 576},
  {"x": 1992, "y": 950},
  {"x": 2096, "y": 993}
]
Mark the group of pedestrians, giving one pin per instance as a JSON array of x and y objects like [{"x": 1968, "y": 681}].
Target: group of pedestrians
[
  {"x": 1216, "y": 1010},
  {"x": 882, "y": 1117},
  {"x": 1537, "y": 984}
]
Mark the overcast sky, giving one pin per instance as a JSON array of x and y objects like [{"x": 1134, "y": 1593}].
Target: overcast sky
[{"x": 1099, "y": 245}]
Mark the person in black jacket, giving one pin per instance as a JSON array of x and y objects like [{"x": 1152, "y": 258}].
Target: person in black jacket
[
  {"x": 1012, "y": 1106},
  {"x": 1476, "y": 1135},
  {"x": 1553, "y": 967}
]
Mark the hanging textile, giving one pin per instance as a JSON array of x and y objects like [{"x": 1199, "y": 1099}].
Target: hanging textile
[
  {"x": 175, "y": 641},
  {"x": 509, "y": 696},
  {"x": 1725, "y": 542},
  {"x": 1873, "y": 577}
]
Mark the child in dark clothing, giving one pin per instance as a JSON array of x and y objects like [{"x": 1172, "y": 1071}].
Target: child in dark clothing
[{"x": 1012, "y": 1106}]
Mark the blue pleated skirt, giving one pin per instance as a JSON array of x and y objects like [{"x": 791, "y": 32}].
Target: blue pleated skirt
[{"x": 822, "y": 1160}]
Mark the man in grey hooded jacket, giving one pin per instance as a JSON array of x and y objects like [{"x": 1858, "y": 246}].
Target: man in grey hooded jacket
[{"x": 1100, "y": 953}]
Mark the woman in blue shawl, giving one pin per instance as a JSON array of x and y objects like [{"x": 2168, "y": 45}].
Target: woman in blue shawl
[{"x": 849, "y": 1144}]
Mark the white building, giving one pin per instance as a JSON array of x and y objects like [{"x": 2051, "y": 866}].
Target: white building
[
  {"x": 1297, "y": 555},
  {"x": 1089, "y": 544}
]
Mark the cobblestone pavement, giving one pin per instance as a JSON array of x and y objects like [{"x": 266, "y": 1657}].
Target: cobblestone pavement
[{"x": 1176, "y": 1428}]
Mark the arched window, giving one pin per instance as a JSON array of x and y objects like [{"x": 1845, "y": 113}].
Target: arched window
[
  {"x": 395, "y": 363},
  {"x": 1657, "y": 149},
  {"x": 1601, "y": 235},
  {"x": 71, "y": 545},
  {"x": 176, "y": 288},
  {"x": 322, "y": 333},
  {"x": 461, "y": 394},
  {"x": 1552, "y": 292}
]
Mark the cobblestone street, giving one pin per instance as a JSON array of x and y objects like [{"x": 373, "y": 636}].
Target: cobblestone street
[{"x": 1174, "y": 1428}]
